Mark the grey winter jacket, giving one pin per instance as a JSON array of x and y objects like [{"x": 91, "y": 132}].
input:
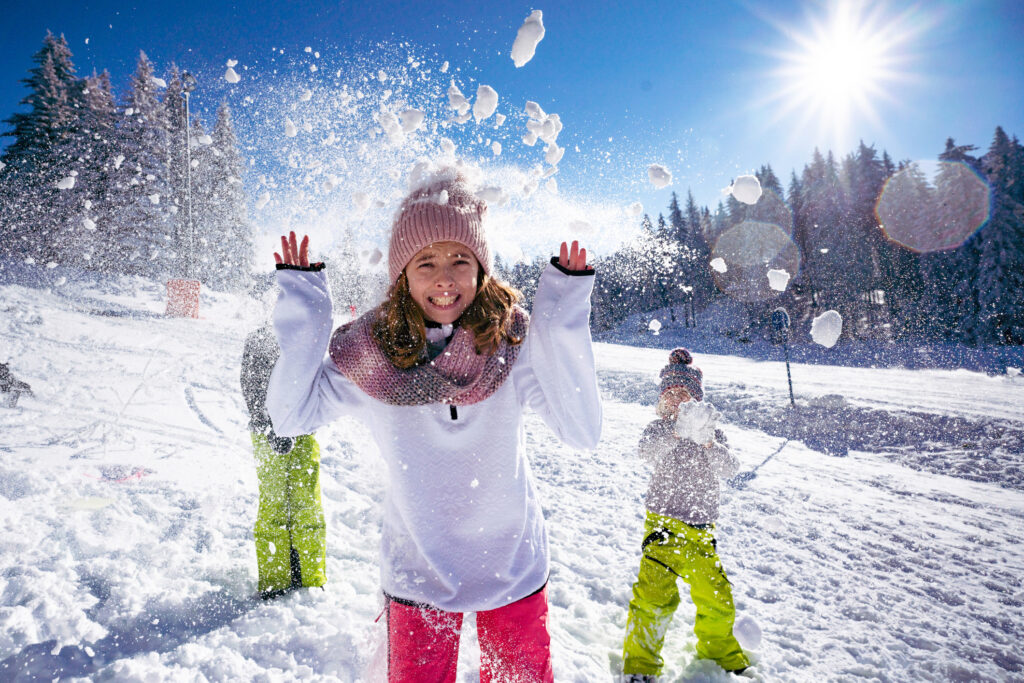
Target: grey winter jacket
[
  {"x": 684, "y": 484},
  {"x": 258, "y": 359}
]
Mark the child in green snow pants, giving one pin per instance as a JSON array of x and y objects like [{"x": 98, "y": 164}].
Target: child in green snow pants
[
  {"x": 675, "y": 550},
  {"x": 291, "y": 544}
]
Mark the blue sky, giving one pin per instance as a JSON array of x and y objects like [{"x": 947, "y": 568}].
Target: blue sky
[{"x": 710, "y": 89}]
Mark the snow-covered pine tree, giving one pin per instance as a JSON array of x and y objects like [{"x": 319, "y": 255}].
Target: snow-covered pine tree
[
  {"x": 146, "y": 220},
  {"x": 41, "y": 160},
  {"x": 229, "y": 214},
  {"x": 177, "y": 164},
  {"x": 92, "y": 228},
  {"x": 1000, "y": 284}
]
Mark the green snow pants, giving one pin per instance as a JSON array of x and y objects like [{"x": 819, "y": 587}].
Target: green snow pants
[
  {"x": 291, "y": 538},
  {"x": 675, "y": 550}
]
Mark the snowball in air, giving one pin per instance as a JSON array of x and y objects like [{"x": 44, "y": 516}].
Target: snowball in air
[
  {"x": 746, "y": 189},
  {"x": 826, "y": 328},
  {"x": 231, "y": 76},
  {"x": 659, "y": 175},
  {"x": 553, "y": 154},
  {"x": 411, "y": 119},
  {"x": 718, "y": 264},
  {"x": 747, "y": 633},
  {"x": 66, "y": 183},
  {"x": 778, "y": 279},
  {"x": 527, "y": 37},
  {"x": 486, "y": 102},
  {"x": 361, "y": 200}
]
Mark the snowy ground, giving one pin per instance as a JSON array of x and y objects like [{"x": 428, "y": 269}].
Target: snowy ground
[{"x": 127, "y": 496}]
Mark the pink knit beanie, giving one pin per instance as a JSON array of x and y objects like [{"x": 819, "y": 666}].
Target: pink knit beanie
[{"x": 442, "y": 210}]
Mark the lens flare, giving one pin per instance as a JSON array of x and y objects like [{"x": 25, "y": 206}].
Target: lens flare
[
  {"x": 934, "y": 213},
  {"x": 749, "y": 251}
]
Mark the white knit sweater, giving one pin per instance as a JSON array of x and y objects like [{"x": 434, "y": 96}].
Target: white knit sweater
[{"x": 463, "y": 527}]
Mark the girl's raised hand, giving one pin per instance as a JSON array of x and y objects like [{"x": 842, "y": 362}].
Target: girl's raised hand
[
  {"x": 292, "y": 254},
  {"x": 574, "y": 259}
]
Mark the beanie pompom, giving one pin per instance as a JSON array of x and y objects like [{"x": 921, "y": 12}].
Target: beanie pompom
[{"x": 680, "y": 355}]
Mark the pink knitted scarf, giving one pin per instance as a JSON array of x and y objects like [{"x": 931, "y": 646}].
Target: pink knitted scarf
[{"x": 459, "y": 375}]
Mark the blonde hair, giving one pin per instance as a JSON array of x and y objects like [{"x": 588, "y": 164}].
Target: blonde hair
[{"x": 401, "y": 332}]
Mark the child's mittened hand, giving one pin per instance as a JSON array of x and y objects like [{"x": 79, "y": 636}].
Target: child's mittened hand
[
  {"x": 697, "y": 421},
  {"x": 293, "y": 254}
]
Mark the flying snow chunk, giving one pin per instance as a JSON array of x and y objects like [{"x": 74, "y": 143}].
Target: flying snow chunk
[
  {"x": 534, "y": 111},
  {"x": 263, "y": 200},
  {"x": 747, "y": 633},
  {"x": 204, "y": 140},
  {"x": 636, "y": 208},
  {"x": 118, "y": 160},
  {"x": 232, "y": 63},
  {"x": 581, "y": 226},
  {"x": 306, "y": 96},
  {"x": 778, "y": 279},
  {"x": 490, "y": 194},
  {"x": 496, "y": 148},
  {"x": 486, "y": 102},
  {"x": 552, "y": 186},
  {"x": 61, "y": 281},
  {"x": 231, "y": 76},
  {"x": 159, "y": 82},
  {"x": 444, "y": 68},
  {"x": 826, "y": 328},
  {"x": 375, "y": 256},
  {"x": 2, "y": 165},
  {"x": 289, "y": 128},
  {"x": 659, "y": 175},
  {"x": 88, "y": 224},
  {"x": 30, "y": 261},
  {"x": 411, "y": 119},
  {"x": 442, "y": 198},
  {"x": 154, "y": 198},
  {"x": 746, "y": 189},
  {"x": 361, "y": 200},
  {"x": 498, "y": 120},
  {"x": 530, "y": 139},
  {"x": 718, "y": 264},
  {"x": 553, "y": 154},
  {"x": 456, "y": 100},
  {"x": 66, "y": 183},
  {"x": 654, "y": 326},
  {"x": 527, "y": 37},
  {"x": 447, "y": 146}
]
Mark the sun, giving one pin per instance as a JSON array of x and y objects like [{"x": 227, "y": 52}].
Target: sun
[{"x": 839, "y": 72}]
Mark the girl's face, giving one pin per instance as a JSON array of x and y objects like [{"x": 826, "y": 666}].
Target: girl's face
[
  {"x": 668, "y": 404},
  {"x": 443, "y": 280}
]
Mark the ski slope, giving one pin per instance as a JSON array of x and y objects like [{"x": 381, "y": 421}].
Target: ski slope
[{"x": 128, "y": 494}]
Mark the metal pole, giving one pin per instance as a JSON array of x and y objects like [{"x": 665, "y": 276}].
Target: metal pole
[
  {"x": 789, "y": 378},
  {"x": 190, "y": 265}
]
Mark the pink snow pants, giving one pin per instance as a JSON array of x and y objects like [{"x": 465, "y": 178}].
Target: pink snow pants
[{"x": 423, "y": 642}]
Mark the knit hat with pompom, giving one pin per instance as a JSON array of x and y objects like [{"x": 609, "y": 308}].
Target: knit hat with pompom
[
  {"x": 681, "y": 372},
  {"x": 440, "y": 208}
]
